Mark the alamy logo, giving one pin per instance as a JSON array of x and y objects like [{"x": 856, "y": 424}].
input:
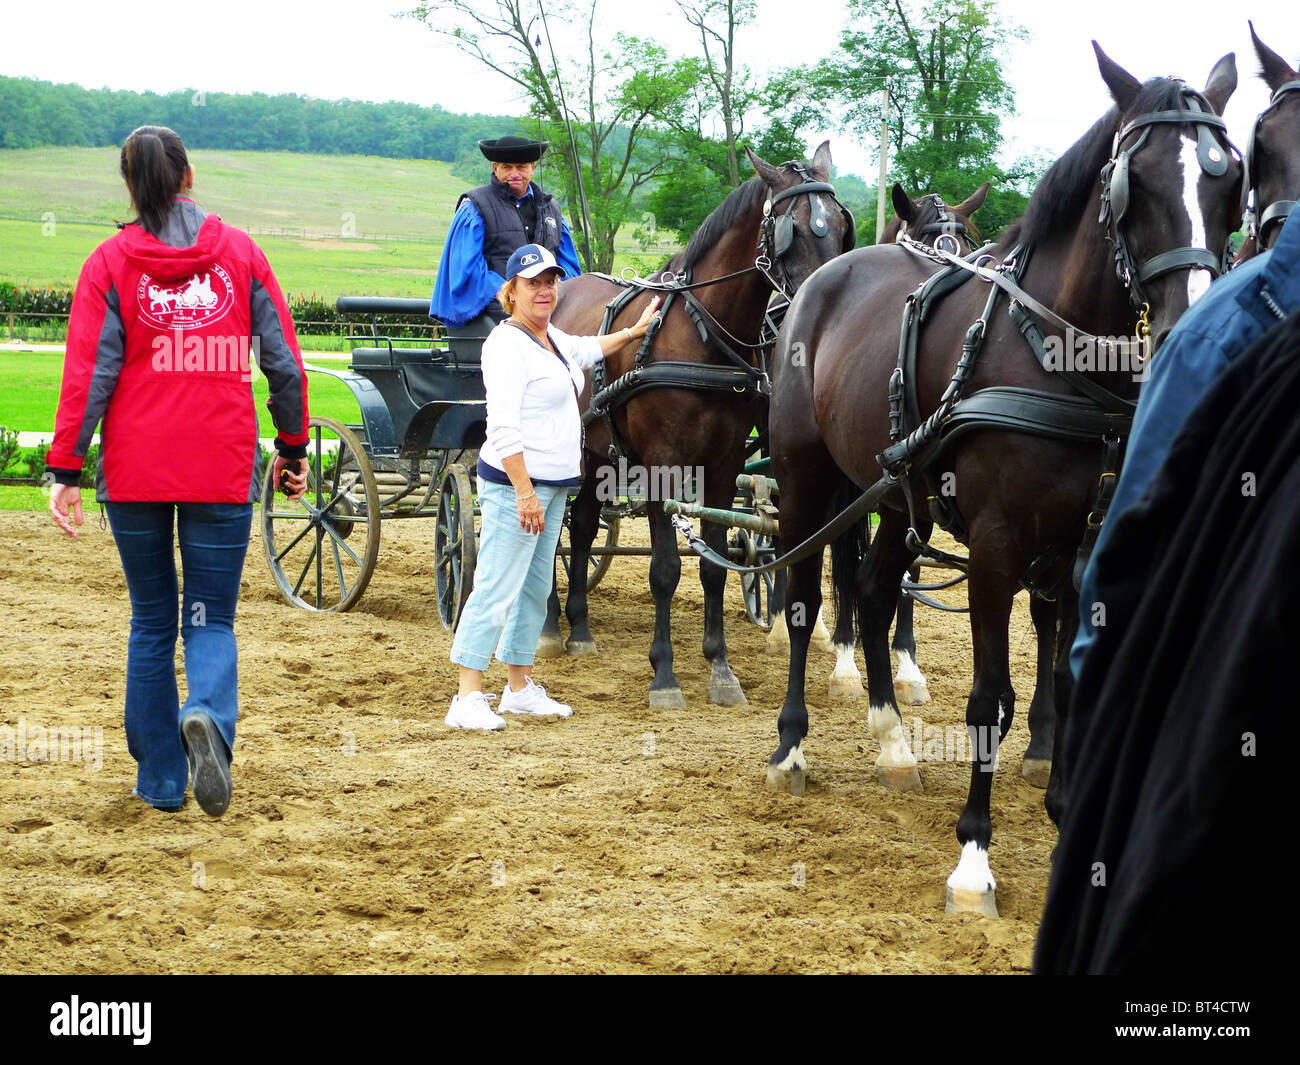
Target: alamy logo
[
  {"x": 186, "y": 304},
  {"x": 102, "y": 1018}
]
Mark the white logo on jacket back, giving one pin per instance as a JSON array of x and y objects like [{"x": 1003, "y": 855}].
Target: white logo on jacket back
[{"x": 189, "y": 304}]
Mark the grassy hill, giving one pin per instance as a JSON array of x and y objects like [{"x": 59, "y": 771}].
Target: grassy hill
[{"x": 399, "y": 209}]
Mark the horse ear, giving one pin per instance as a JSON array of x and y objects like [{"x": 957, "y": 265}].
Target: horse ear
[
  {"x": 769, "y": 173},
  {"x": 1275, "y": 70},
  {"x": 1123, "y": 86},
  {"x": 974, "y": 202},
  {"x": 1222, "y": 83},
  {"x": 903, "y": 205},
  {"x": 821, "y": 161}
]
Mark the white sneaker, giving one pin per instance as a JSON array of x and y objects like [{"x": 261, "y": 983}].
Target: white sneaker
[
  {"x": 473, "y": 712},
  {"x": 532, "y": 700}
]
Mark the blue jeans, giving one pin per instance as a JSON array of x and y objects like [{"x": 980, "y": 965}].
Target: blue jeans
[
  {"x": 214, "y": 540},
  {"x": 507, "y": 608}
]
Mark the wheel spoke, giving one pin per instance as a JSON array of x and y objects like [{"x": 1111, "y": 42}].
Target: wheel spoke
[{"x": 297, "y": 588}]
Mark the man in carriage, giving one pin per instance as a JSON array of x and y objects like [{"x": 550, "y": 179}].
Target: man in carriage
[{"x": 490, "y": 223}]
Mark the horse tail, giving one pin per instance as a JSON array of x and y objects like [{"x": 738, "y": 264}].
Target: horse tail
[{"x": 847, "y": 552}]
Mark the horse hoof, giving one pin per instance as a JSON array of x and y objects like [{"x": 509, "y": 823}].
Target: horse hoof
[
  {"x": 822, "y": 644},
  {"x": 779, "y": 779},
  {"x": 1036, "y": 772},
  {"x": 550, "y": 647},
  {"x": 667, "y": 699},
  {"x": 727, "y": 694},
  {"x": 899, "y": 777},
  {"x": 581, "y": 647},
  {"x": 778, "y": 643},
  {"x": 981, "y": 902},
  {"x": 846, "y": 688},
  {"x": 911, "y": 693}
]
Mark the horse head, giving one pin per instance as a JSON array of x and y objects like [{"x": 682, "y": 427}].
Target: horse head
[
  {"x": 934, "y": 222},
  {"x": 1171, "y": 190},
  {"x": 804, "y": 225},
  {"x": 1273, "y": 152}
]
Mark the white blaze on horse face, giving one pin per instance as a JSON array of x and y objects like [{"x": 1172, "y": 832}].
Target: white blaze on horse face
[{"x": 1198, "y": 281}]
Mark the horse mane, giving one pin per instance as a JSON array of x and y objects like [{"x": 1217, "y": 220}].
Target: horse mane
[
  {"x": 739, "y": 202},
  {"x": 1064, "y": 191}
]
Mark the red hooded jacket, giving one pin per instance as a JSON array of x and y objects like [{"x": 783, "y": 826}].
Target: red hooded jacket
[{"x": 160, "y": 346}]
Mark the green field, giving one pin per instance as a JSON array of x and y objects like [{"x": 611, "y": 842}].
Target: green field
[
  {"x": 29, "y": 399},
  {"x": 313, "y": 196}
]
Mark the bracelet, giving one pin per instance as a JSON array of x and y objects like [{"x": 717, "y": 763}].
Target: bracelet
[
  {"x": 629, "y": 334},
  {"x": 524, "y": 499}
]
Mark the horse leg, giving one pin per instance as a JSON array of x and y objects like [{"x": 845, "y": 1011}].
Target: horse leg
[
  {"x": 550, "y": 645},
  {"x": 880, "y": 576},
  {"x": 1037, "y": 764},
  {"x": 989, "y": 711},
  {"x": 584, "y": 523},
  {"x": 803, "y": 600},
  {"x": 665, "y": 572},
  {"x": 846, "y": 681},
  {"x": 778, "y": 637},
  {"x": 909, "y": 681},
  {"x": 724, "y": 688}
]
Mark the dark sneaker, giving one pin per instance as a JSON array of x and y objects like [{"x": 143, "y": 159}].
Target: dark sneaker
[{"x": 209, "y": 767}]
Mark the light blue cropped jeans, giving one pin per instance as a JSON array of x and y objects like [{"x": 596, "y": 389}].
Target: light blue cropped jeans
[{"x": 507, "y": 608}]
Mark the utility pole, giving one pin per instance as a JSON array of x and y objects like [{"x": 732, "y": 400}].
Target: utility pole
[{"x": 884, "y": 162}]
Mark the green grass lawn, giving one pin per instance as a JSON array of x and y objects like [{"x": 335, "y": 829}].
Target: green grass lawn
[
  {"x": 29, "y": 399},
  {"x": 399, "y": 210}
]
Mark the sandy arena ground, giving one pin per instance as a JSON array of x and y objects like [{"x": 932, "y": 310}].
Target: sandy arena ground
[{"x": 365, "y": 836}]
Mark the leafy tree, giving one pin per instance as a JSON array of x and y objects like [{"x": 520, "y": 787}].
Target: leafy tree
[
  {"x": 623, "y": 97},
  {"x": 942, "y": 62}
]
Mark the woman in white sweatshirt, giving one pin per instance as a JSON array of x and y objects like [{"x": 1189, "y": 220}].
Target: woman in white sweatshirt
[{"x": 531, "y": 458}]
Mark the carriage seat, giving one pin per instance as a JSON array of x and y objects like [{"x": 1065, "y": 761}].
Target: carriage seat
[{"x": 390, "y": 358}]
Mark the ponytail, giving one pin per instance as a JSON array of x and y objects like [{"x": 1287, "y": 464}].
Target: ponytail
[{"x": 154, "y": 164}]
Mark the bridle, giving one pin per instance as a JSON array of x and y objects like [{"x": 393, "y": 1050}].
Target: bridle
[
  {"x": 947, "y": 229},
  {"x": 776, "y": 232},
  {"x": 1115, "y": 195},
  {"x": 1278, "y": 210}
]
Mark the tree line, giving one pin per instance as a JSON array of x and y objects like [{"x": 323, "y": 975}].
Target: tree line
[{"x": 38, "y": 114}]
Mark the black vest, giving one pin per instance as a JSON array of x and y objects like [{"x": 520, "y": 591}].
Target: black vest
[{"x": 507, "y": 226}]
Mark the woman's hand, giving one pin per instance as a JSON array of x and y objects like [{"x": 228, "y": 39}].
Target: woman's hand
[
  {"x": 650, "y": 312},
  {"x": 532, "y": 518},
  {"x": 290, "y": 477},
  {"x": 65, "y": 498}
]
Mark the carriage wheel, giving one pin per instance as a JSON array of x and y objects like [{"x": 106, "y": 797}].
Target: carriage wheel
[
  {"x": 455, "y": 545},
  {"x": 323, "y": 548},
  {"x": 597, "y": 565},
  {"x": 756, "y": 588}
]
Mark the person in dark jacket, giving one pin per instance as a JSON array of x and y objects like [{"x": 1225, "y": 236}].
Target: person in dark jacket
[
  {"x": 167, "y": 318},
  {"x": 490, "y": 224},
  {"x": 1170, "y": 848}
]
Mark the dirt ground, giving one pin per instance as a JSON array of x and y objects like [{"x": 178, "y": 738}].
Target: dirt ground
[{"x": 365, "y": 836}]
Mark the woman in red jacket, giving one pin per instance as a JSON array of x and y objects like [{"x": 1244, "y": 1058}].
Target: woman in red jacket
[{"x": 167, "y": 317}]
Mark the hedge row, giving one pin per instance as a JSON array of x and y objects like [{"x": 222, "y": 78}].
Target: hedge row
[{"x": 312, "y": 315}]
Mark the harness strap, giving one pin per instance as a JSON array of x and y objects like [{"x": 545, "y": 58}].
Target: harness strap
[
  {"x": 1080, "y": 381},
  {"x": 698, "y": 377}
]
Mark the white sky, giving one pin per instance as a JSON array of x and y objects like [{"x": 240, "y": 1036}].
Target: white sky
[{"x": 355, "y": 48}]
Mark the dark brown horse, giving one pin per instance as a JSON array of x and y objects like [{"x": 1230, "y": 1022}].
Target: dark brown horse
[
  {"x": 931, "y": 221},
  {"x": 1016, "y": 488},
  {"x": 771, "y": 232},
  {"x": 1272, "y": 153}
]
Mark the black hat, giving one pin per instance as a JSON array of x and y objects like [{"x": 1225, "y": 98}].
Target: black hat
[{"x": 513, "y": 150}]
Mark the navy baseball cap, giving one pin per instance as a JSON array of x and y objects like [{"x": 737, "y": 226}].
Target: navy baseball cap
[{"x": 531, "y": 260}]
